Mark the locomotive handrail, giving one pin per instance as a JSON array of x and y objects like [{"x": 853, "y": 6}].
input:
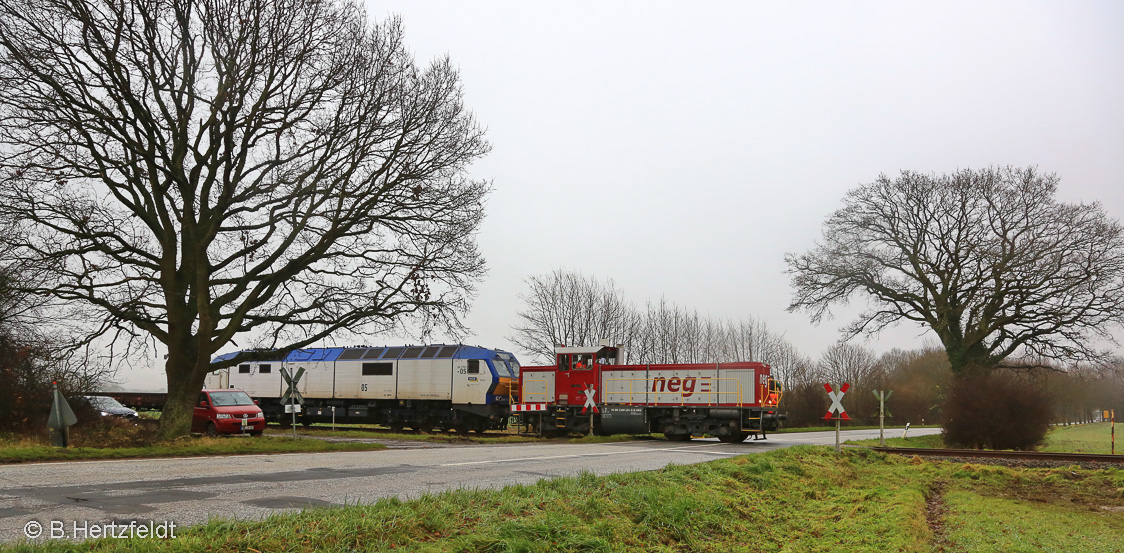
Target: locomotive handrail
[{"x": 650, "y": 382}]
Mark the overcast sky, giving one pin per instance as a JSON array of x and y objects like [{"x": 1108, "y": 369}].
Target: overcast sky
[{"x": 681, "y": 149}]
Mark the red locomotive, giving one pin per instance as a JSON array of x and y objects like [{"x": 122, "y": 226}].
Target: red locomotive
[{"x": 730, "y": 401}]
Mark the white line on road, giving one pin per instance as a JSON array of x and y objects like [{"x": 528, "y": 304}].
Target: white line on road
[{"x": 600, "y": 454}]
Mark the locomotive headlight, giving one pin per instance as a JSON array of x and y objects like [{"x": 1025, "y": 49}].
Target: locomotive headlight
[{"x": 222, "y": 416}]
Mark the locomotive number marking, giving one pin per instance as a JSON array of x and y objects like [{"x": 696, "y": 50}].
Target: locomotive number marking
[{"x": 364, "y": 387}]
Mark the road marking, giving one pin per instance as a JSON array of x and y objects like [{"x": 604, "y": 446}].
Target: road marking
[{"x": 601, "y": 454}]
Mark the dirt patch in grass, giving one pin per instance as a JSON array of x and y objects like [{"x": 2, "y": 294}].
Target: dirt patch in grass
[{"x": 935, "y": 510}]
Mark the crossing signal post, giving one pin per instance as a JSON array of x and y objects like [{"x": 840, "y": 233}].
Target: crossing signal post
[
  {"x": 836, "y": 411},
  {"x": 292, "y": 395},
  {"x": 61, "y": 418},
  {"x": 882, "y": 414}
]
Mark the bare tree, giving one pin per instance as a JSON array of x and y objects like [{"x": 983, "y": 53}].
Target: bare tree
[
  {"x": 201, "y": 170},
  {"x": 566, "y": 308},
  {"x": 847, "y": 363},
  {"x": 988, "y": 259}
]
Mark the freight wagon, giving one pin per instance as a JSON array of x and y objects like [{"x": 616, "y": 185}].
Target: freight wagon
[
  {"x": 586, "y": 388},
  {"x": 438, "y": 386}
]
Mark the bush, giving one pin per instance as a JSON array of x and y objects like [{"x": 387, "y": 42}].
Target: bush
[
  {"x": 996, "y": 410},
  {"x": 25, "y": 391}
]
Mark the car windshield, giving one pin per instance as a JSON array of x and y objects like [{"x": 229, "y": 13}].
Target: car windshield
[
  {"x": 103, "y": 402},
  {"x": 226, "y": 399}
]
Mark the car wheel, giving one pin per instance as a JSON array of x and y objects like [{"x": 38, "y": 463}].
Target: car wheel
[{"x": 212, "y": 430}]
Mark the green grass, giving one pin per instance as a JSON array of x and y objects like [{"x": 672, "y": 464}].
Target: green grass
[
  {"x": 802, "y": 499},
  {"x": 25, "y": 451},
  {"x": 1000, "y": 509},
  {"x": 930, "y": 440},
  {"x": 1084, "y": 438}
]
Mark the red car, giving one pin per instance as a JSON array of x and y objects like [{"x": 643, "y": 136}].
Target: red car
[{"x": 227, "y": 412}]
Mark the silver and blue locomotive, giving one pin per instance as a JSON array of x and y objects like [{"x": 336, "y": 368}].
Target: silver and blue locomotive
[{"x": 440, "y": 386}]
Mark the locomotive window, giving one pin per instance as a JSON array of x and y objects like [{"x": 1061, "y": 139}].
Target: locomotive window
[
  {"x": 412, "y": 353},
  {"x": 351, "y": 354},
  {"x": 447, "y": 351},
  {"x": 393, "y": 353},
  {"x": 473, "y": 366},
  {"x": 378, "y": 369},
  {"x": 243, "y": 369},
  {"x": 564, "y": 362},
  {"x": 430, "y": 352},
  {"x": 374, "y": 353},
  {"x": 265, "y": 368},
  {"x": 501, "y": 366}
]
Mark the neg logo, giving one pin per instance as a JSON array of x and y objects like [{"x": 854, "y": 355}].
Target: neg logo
[{"x": 685, "y": 385}]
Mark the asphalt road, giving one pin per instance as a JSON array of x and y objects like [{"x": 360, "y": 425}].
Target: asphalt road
[{"x": 191, "y": 490}]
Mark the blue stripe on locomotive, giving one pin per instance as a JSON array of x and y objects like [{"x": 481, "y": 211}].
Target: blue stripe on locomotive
[{"x": 313, "y": 355}]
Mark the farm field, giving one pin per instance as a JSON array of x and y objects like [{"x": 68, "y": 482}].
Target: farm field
[{"x": 804, "y": 498}]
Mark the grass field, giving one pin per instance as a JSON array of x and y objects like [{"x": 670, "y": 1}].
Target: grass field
[
  {"x": 14, "y": 450},
  {"x": 1085, "y": 438},
  {"x": 803, "y": 499}
]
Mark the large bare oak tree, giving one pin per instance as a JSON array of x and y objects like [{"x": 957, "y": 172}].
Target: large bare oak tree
[
  {"x": 988, "y": 259},
  {"x": 198, "y": 171}
]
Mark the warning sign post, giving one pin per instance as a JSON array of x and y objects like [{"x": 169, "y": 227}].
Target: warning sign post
[{"x": 836, "y": 411}]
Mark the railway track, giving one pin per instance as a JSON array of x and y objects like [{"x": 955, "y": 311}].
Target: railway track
[{"x": 1008, "y": 455}]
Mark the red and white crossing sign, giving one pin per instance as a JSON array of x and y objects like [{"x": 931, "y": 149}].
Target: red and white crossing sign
[
  {"x": 518, "y": 407},
  {"x": 836, "y": 405},
  {"x": 589, "y": 403}
]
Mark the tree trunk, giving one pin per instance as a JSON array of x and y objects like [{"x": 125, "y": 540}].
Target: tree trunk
[
  {"x": 964, "y": 360},
  {"x": 184, "y": 382}
]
